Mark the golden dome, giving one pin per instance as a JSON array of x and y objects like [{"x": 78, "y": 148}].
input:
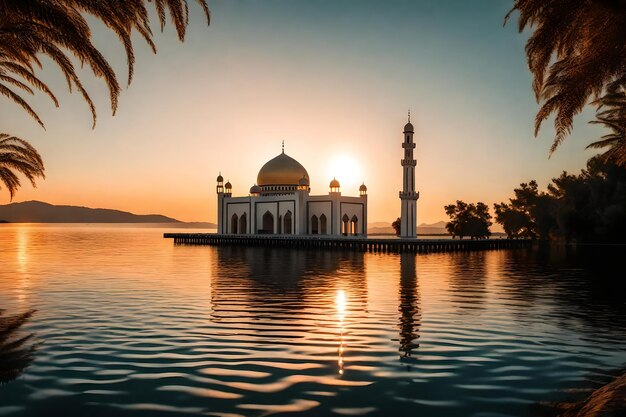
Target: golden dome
[
  {"x": 282, "y": 170},
  {"x": 334, "y": 183}
]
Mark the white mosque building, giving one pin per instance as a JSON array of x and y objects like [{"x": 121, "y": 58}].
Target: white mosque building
[{"x": 281, "y": 202}]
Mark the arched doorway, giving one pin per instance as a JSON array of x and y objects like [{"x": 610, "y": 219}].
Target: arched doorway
[
  {"x": 314, "y": 225},
  {"x": 323, "y": 225},
  {"x": 234, "y": 221},
  {"x": 268, "y": 223},
  {"x": 354, "y": 225},
  {"x": 345, "y": 226},
  {"x": 243, "y": 224},
  {"x": 287, "y": 227}
]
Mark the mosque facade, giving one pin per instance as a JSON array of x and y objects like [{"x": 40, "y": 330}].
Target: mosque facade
[{"x": 281, "y": 202}]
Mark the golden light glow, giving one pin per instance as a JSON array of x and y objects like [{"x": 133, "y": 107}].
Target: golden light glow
[
  {"x": 347, "y": 172},
  {"x": 340, "y": 302},
  {"x": 23, "y": 281}
]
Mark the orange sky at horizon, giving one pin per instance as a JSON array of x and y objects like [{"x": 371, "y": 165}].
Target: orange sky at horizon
[{"x": 336, "y": 87}]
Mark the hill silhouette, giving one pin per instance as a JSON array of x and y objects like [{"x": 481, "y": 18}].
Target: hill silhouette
[
  {"x": 40, "y": 212},
  {"x": 423, "y": 229}
]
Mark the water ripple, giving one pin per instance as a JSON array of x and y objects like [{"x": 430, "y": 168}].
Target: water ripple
[{"x": 128, "y": 324}]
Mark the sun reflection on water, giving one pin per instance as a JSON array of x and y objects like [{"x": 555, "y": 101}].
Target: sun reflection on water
[
  {"x": 21, "y": 255},
  {"x": 340, "y": 302}
]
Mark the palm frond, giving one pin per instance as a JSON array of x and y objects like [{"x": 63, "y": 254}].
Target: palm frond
[
  {"x": 576, "y": 51},
  {"x": 18, "y": 156},
  {"x": 59, "y": 30},
  {"x": 5, "y": 91},
  {"x": 16, "y": 351},
  {"x": 611, "y": 114}
]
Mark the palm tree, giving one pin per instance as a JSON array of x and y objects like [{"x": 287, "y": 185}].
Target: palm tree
[
  {"x": 59, "y": 30},
  {"x": 612, "y": 114},
  {"x": 16, "y": 353},
  {"x": 18, "y": 156},
  {"x": 577, "y": 50}
]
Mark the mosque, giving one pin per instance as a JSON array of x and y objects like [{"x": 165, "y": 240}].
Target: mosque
[{"x": 281, "y": 202}]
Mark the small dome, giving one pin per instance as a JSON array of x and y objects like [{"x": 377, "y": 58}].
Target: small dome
[
  {"x": 363, "y": 187},
  {"x": 282, "y": 170},
  {"x": 255, "y": 189},
  {"x": 408, "y": 128},
  {"x": 334, "y": 183},
  {"x": 228, "y": 186},
  {"x": 303, "y": 181},
  {"x": 220, "y": 178}
]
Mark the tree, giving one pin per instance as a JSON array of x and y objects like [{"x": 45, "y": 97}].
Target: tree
[
  {"x": 528, "y": 214},
  {"x": 577, "y": 50},
  {"x": 588, "y": 207},
  {"x": 516, "y": 223},
  {"x": 396, "y": 226},
  {"x": 611, "y": 114},
  {"x": 468, "y": 220},
  {"x": 18, "y": 156},
  {"x": 30, "y": 29},
  {"x": 572, "y": 211},
  {"x": 59, "y": 30}
]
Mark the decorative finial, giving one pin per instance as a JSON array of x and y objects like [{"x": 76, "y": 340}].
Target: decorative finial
[
  {"x": 409, "y": 115},
  {"x": 283, "y": 146}
]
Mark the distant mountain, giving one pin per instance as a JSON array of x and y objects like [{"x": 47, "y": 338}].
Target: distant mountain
[
  {"x": 423, "y": 229},
  {"x": 432, "y": 229},
  {"x": 378, "y": 224},
  {"x": 39, "y": 212}
]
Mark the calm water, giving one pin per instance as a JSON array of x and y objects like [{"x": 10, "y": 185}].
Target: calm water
[{"x": 129, "y": 324}]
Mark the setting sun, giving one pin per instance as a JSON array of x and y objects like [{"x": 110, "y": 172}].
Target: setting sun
[{"x": 347, "y": 172}]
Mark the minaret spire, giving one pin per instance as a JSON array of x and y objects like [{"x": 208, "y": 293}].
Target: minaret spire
[
  {"x": 283, "y": 146},
  {"x": 408, "y": 195}
]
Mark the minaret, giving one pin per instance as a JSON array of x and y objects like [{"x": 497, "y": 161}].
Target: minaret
[
  {"x": 408, "y": 195},
  {"x": 220, "y": 203}
]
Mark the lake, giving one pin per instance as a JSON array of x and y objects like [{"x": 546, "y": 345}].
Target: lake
[{"x": 128, "y": 324}]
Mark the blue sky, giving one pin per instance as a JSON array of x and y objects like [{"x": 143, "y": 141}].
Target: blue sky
[{"x": 332, "y": 79}]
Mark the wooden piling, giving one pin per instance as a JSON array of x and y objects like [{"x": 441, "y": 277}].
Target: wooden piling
[{"x": 360, "y": 244}]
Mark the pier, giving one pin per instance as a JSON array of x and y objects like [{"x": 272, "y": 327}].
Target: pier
[{"x": 361, "y": 244}]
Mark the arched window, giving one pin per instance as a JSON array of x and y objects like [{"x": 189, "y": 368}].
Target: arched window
[
  {"x": 233, "y": 224},
  {"x": 287, "y": 228},
  {"x": 323, "y": 227},
  {"x": 280, "y": 224},
  {"x": 268, "y": 223},
  {"x": 314, "y": 225},
  {"x": 243, "y": 224},
  {"x": 354, "y": 225},
  {"x": 345, "y": 227}
]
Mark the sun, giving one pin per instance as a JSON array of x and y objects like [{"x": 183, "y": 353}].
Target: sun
[{"x": 346, "y": 170}]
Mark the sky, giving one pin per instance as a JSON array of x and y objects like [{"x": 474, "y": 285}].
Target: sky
[{"x": 333, "y": 79}]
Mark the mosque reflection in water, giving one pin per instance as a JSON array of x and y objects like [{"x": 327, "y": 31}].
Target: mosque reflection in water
[
  {"x": 306, "y": 296},
  {"x": 409, "y": 308}
]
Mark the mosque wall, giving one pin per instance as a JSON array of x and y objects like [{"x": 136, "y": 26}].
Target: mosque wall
[
  {"x": 280, "y": 203},
  {"x": 275, "y": 215}
]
